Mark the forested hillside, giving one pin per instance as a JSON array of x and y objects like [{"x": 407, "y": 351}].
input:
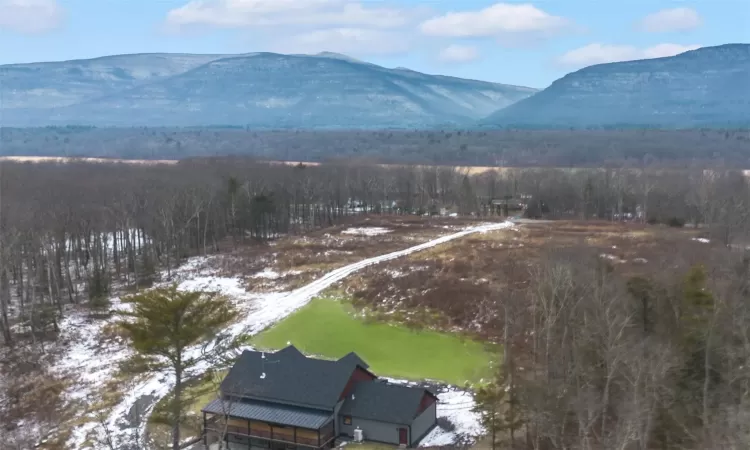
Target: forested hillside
[
  {"x": 707, "y": 87},
  {"x": 262, "y": 90},
  {"x": 445, "y": 147}
]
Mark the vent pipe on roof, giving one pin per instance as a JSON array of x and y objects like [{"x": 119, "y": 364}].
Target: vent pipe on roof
[
  {"x": 262, "y": 355},
  {"x": 352, "y": 396}
]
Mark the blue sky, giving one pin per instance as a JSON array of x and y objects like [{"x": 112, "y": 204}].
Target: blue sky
[{"x": 525, "y": 43}]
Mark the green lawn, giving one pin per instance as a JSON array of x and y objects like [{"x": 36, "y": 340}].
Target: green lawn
[{"x": 327, "y": 328}]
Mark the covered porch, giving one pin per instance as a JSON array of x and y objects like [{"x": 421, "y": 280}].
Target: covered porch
[{"x": 256, "y": 425}]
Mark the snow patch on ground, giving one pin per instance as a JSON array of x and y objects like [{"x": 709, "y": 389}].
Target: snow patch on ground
[
  {"x": 87, "y": 359},
  {"x": 456, "y": 406},
  {"x": 395, "y": 273},
  {"x": 367, "y": 231},
  {"x": 268, "y": 274},
  {"x": 702, "y": 240},
  {"x": 612, "y": 258}
]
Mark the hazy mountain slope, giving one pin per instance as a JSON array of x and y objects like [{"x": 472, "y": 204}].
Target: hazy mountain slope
[
  {"x": 261, "y": 90},
  {"x": 55, "y": 84},
  {"x": 705, "y": 87}
]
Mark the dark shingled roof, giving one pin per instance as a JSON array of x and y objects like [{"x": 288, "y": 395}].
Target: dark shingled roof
[
  {"x": 290, "y": 377},
  {"x": 290, "y": 351},
  {"x": 353, "y": 358},
  {"x": 383, "y": 402},
  {"x": 267, "y": 412}
]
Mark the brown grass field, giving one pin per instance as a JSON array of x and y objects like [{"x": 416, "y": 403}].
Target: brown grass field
[
  {"x": 301, "y": 259},
  {"x": 448, "y": 287}
]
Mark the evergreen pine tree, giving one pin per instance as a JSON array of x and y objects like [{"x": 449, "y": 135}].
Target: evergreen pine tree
[
  {"x": 162, "y": 326},
  {"x": 498, "y": 409}
]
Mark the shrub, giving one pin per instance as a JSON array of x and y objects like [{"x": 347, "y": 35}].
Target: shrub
[
  {"x": 445, "y": 424},
  {"x": 676, "y": 222},
  {"x": 98, "y": 290}
]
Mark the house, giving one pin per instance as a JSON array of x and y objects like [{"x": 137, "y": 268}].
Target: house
[
  {"x": 503, "y": 206},
  {"x": 285, "y": 400}
]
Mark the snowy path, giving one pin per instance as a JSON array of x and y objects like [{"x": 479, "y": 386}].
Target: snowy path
[{"x": 266, "y": 310}]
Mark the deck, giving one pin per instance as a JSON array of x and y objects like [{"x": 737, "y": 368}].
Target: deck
[{"x": 256, "y": 430}]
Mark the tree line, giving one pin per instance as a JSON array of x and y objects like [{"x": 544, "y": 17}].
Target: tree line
[
  {"x": 69, "y": 230},
  {"x": 518, "y": 148},
  {"x": 595, "y": 359}
]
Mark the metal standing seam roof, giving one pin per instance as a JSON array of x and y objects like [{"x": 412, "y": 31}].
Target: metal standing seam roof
[{"x": 266, "y": 412}]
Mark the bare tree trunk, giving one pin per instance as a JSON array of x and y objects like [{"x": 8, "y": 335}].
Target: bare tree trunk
[
  {"x": 706, "y": 385},
  {"x": 177, "y": 407},
  {"x": 68, "y": 278},
  {"x": 4, "y": 303}
]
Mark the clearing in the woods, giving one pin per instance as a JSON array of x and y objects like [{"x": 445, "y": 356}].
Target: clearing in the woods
[{"x": 330, "y": 327}]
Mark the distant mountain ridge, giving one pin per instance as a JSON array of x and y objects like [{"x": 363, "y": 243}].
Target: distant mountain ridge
[
  {"x": 707, "y": 87},
  {"x": 262, "y": 90}
]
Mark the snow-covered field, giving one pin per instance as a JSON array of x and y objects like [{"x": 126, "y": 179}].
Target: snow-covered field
[{"x": 94, "y": 361}]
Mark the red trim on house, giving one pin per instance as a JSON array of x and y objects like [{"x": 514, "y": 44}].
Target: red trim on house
[
  {"x": 427, "y": 400},
  {"x": 403, "y": 437},
  {"x": 359, "y": 374}
]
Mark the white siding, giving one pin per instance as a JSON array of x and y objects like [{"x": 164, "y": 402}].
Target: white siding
[{"x": 423, "y": 423}]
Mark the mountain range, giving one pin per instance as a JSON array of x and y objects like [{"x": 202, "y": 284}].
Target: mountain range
[
  {"x": 263, "y": 90},
  {"x": 707, "y": 87}
]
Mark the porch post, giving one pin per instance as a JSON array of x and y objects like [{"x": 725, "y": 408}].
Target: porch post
[
  {"x": 318, "y": 437},
  {"x": 295, "y": 435},
  {"x": 205, "y": 432}
]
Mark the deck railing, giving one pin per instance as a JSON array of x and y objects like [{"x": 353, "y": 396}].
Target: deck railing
[{"x": 287, "y": 437}]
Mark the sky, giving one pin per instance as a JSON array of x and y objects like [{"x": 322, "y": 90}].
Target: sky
[{"x": 522, "y": 43}]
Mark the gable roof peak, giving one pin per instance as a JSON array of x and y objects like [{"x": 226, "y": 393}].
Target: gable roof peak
[
  {"x": 290, "y": 350},
  {"x": 353, "y": 358}
]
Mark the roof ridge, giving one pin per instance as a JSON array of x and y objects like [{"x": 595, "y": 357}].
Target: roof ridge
[{"x": 287, "y": 377}]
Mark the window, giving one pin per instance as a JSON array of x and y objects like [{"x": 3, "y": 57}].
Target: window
[{"x": 347, "y": 420}]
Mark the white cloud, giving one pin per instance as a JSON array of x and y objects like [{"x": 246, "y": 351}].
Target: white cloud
[
  {"x": 505, "y": 21},
  {"x": 270, "y": 13},
  {"x": 351, "y": 41},
  {"x": 603, "y": 53},
  {"x": 662, "y": 50},
  {"x": 458, "y": 54},
  {"x": 667, "y": 20},
  {"x": 30, "y": 16}
]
